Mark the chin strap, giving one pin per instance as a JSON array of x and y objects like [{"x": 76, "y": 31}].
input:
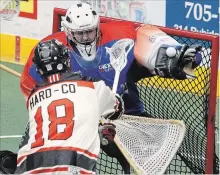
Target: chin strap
[
  {"x": 87, "y": 51},
  {"x": 86, "y": 46}
]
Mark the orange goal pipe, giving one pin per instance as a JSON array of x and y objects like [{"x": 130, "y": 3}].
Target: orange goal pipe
[{"x": 212, "y": 108}]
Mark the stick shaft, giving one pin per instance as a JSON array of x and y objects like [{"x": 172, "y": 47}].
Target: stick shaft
[
  {"x": 10, "y": 70},
  {"x": 116, "y": 79}
]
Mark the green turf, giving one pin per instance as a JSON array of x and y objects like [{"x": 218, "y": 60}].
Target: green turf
[
  {"x": 13, "y": 114},
  {"x": 10, "y": 144},
  {"x": 15, "y": 67}
]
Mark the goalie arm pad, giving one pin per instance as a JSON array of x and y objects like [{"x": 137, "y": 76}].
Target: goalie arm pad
[{"x": 150, "y": 51}]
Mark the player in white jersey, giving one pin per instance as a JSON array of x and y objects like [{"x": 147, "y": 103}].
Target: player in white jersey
[{"x": 64, "y": 113}]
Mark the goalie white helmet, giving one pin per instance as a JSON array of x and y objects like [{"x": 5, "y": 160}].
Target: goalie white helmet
[{"x": 81, "y": 25}]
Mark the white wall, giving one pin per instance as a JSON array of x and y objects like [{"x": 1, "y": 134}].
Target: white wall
[
  {"x": 36, "y": 29},
  {"x": 42, "y": 27}
]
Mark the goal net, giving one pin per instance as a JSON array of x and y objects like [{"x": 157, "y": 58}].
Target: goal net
[
  {"x": 193, "y": 101},
  {"x": 148, "y": 144}
]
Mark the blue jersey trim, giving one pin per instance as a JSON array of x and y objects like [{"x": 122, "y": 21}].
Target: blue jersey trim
[{"x": 35, "y": 74}]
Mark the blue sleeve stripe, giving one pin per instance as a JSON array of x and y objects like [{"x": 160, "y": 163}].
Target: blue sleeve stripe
[{"x": 33, "y": 73}]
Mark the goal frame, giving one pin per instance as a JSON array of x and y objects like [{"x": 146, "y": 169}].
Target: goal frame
[{"x": 213, "y": 81}]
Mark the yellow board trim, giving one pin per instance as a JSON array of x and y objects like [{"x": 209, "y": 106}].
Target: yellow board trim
[
  {"x": 7, "y": 51},
  {"x": 7, "y": 47},
  {"x": 27, "y": 6},
  {"x": 27, "y": 45},
  {"x": 189, "y": 85}
]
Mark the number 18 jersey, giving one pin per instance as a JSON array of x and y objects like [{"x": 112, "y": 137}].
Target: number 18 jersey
[{"x": 63, "y": 127}]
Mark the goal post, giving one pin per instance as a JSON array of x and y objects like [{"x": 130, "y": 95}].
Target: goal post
[{"x": 193, "y": 101}]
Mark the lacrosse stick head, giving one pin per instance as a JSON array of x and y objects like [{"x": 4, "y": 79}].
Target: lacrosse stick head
[{"x": 118, "y": 53}]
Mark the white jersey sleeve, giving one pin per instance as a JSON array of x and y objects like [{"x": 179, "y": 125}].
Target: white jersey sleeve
[
  {"x": 106, "y": 98},
  {"x": 149, "y": 40}
]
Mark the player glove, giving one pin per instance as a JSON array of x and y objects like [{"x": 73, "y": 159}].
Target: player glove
[
  {"x": 107, "y": 133},
  {"x": 8, "y": 162},
  {"x": 119, "y": 109},
  {"x": 178, "y": 64}
]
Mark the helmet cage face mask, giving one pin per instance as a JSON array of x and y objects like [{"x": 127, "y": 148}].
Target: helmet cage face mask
[{"x": 84, "y": 37}]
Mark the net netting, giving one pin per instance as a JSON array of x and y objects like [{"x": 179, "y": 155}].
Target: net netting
[
  {"x": 186, "y": 100},
  {"x": 118, "y": 53},
  {"x": 150, "y": 144}
]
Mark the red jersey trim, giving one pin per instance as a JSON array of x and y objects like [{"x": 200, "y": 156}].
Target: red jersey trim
[
  {"x": 49, "y": 170},
  {"x": 53, "y": 78},
  {"x": 85, "y": 84}
]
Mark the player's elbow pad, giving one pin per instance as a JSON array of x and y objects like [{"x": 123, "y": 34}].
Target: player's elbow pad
[{"x": 119, "y": 109}]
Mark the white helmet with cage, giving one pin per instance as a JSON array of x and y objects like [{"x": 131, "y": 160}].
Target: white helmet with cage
[{"x": 81, "y": 25}]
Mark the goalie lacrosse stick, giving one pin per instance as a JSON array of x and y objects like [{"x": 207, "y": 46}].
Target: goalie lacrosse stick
[{"x": 118, "y": 59}]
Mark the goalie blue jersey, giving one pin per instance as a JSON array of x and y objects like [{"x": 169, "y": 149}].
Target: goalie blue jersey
[
  {"x": 100, "y": 68},
  {"x": 114, "y": 35}
]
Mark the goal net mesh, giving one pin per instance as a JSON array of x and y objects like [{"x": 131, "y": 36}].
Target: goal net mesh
[
  {"x": 150, "y": 144},
  {"x": 187, "y": 100}
]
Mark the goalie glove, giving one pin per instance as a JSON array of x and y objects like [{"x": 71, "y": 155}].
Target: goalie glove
[
  {"x": 107, "y": 133},
  {"x": 178, "y": 64}
]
